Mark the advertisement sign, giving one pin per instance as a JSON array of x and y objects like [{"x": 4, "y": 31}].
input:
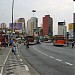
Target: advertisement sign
[
  {"x": 17, "y": 26},
  {"x": 70, "y": 26},
  {"x": 61, "y": 23},
  {"x": 70, "y": 33}
]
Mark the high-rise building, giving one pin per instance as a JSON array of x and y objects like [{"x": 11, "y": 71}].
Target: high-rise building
[
  {"x": 2, "y": 25},
  {"x": 32, "y": 25},
  {"x": 74, "y": 25},
  {"x": 21, "y": 20},
  {"x": 47, "y": 25},
  {"x": 62, "y": 29}
]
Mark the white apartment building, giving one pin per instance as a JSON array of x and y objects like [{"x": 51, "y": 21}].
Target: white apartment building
[
  {"x": 62, "y": 29},
  {"x": 32, "y": 25}
]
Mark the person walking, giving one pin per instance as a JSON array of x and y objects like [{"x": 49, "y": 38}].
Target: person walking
[
  {"x": 10, "y": 42},
  {"x": 27, "y": 43},
  {"x": 14, "y": 46},
  {"x": 5, "y": 42},
  {"x": 72, "y": 44}
]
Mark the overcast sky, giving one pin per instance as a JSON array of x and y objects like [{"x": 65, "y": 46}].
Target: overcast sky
[{"x": 59, "y": 10}]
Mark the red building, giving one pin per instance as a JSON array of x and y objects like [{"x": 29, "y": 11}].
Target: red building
[{"x": 47, "y": 25}]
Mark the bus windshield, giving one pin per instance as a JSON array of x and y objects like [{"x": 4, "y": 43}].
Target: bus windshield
[
  {"x": 62, "y": 38},
  {"x": 31, "y": 39}
]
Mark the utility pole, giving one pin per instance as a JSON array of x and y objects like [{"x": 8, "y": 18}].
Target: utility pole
[{"x": 12, "y": 16}]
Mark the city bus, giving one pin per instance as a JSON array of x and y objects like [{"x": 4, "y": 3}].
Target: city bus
[{"x": 59, "y": 40}]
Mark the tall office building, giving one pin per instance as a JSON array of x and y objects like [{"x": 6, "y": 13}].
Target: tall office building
[
  {"x": 2, "y": 25},
  {"x": 32, "y": 25},
  {"x": 22, "y": 20},
  {"x": 47, "y": 25},
  {"x": 74, "y": 25},
  {"x": 62, "y": 29}
]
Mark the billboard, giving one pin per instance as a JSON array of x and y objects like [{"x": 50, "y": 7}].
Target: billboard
[
  {"x": 70, "y": 28},
  {"x": 61, "y": 23},
  {"x": 16, "y": 26}
]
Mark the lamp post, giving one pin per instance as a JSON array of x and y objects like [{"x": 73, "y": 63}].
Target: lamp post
[{"x": 12, "y": 15}]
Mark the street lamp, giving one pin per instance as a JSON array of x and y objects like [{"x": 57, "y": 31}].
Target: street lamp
[{"x": 12, "y": 14}]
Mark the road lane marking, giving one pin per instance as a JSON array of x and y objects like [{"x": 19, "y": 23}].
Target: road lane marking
[
  {"x": 26, "y": 67},
  {"x": 58, "y": 59},
  {"x": 21, "y": 60},
  {"x": 18, "y": 55},
  {"x": 68, "y": 63},
  {"x": 5, "y": 62},
  {"x": 43, "y": 53},
  {"x": 52, "y": 56}
]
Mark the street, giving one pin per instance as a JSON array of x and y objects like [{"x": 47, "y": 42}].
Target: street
[{"x": 50, "y": 60}]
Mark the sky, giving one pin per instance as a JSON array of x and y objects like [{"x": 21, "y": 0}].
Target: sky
[{"x": 59, "y": 10}]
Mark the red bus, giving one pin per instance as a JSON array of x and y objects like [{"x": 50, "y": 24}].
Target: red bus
[
  {"x": 59, "y": 40},
  {"x": 31, "y": 39}
]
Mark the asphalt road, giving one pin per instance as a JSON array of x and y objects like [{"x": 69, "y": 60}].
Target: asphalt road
[{"x": 50, "y": 60}]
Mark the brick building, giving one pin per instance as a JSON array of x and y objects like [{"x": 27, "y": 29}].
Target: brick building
[{"x": 47, "y": 25}]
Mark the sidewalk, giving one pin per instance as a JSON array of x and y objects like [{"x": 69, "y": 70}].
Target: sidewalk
[{"x": 11, "y": 64}]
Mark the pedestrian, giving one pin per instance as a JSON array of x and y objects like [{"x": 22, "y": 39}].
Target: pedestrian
[
  {"x": 14, "y": 46},
  {"x": 27, "y": 43},
  {"x": 5, "y": 41},
  {"x": 72, "y": 44},
  {"x": 67, "y": 43},
  {"x": 10, "y": 42}
]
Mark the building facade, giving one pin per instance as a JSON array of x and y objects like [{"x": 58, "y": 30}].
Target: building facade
[
  {"x": 2, "y": 25},
  {"x": 32, "y": 25},
  {"x": 21, "y": 20},
  {"x": 47, "y": 25},
  {"x": 18, "y": 27},
  {"x": 62, "y": 29},
  {"x": 74, "y": 25}
]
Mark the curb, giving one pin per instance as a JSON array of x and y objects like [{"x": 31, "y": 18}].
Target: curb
[
  {"x": 5, "y": 62},
  {"x": 32, "y": 70}
]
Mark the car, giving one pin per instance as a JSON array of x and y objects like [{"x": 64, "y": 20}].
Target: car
[{"x": 46, "y": 40}]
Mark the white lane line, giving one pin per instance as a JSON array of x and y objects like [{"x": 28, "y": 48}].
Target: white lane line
[
  {"x": 68, "y": 63},
  {"x": 21, "y": 60},
  {"x": 18, "y": 55},
  {"x": 51, "y": 56},
  {"x": 4, "y": 63},
  {"x": 43, "y": 53},
  {"x": 58, "y": 59},
  {"x": 26, "y": 67}
]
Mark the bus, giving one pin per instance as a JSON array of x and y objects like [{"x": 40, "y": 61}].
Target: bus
[
  {"x": 31, "y": 40},
  {"x": 59, "y": 40}
]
